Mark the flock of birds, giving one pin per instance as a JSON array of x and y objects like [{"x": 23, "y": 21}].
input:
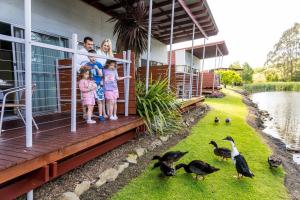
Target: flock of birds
[{"x": 167, "y": 166}]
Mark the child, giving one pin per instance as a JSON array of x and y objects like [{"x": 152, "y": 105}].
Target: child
[
  {"x": 88, "y": 92},
  {"x": 111, "y": 87},
  {"x": 97, "y": 74}
]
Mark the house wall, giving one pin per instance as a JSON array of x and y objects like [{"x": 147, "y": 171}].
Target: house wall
[{"x": 64, "y": 17}]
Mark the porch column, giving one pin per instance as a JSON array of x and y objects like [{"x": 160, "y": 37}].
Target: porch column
[
  {"x": 192, "y": 64},
  {"x": 171, "y": 41},
  {"x": 215, "y": 68},
  {"x": 149, "y": 45},
  {"x": 183, "y": 87},
  {"x": 74, "y": 84},
  {"x": 202, "y": 67},
  {"x": 28, "y": 78}
]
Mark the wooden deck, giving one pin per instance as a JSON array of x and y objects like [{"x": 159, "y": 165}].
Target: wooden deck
[
  {"x": 188, "y": 104},
  {"x": 52, "y": 145}
]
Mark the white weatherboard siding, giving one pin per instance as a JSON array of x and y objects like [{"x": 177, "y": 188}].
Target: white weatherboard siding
[
  {"x": 196, "y": 61},
  {"x": 64, "y": 17}
]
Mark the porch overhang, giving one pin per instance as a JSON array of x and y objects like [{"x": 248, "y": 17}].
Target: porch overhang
[
  {"x": 187, "y": 13},
  {"x": 210, "y": 50}
]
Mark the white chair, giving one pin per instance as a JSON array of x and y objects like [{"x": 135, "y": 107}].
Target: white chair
[{"x": 18, "y": 106}]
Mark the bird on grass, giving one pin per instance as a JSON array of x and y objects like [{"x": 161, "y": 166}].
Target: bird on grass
[
  {"x": 169, "y": 158},
  {"x": 165, "y": 168},
  {"x": 197, "y": 167},
  {"x": 239, "y": 161},
  {"x": 227, "y": 120},
  {"x": 274, "y": 161},
  {"x": 222, "y": 152},
  {"x": 217, "y": 120}
]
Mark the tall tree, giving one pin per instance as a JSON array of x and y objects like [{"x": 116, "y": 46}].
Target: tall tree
[{"x": 247, "y": 73}]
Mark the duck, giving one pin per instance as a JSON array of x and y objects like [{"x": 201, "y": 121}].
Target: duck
[
  {"x": 239, "y": 161},
  {"x": 165, "y": 168},
  {"x": 198, "y": 167},
  {"x": 221, "y": 151},
  {"x": 217, "y": 120},
  {"x": 169, "y": 157},
  {"x": 274, "y": 161},
  {"x": 227, "y": 120}
]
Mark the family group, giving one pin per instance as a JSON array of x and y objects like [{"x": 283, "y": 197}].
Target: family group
[{"x": 98, "y": 81}]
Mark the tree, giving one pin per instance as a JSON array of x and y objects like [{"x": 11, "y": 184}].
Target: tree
[
  {"x": 229, "y": 77},
  {"x": 247, "y": 73},
  {"x": 235, "y": 65},
  {"x": 131, "y": 27}
]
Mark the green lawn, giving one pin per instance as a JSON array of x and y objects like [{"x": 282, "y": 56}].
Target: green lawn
[{"x": 267, "y": 184}]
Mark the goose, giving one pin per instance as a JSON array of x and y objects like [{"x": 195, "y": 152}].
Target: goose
[
  {"x": 198, "y": 167},
  {"x": 217, "y": 120},
  {"x": 165, "y": 168},
  {"x": 227, "y": 120},
  {"x": 274, "y": 161},
  {"x": 169, "y": 157},
  {"x": 221, "y": 151},
  {"x": 239, "y": 160}
]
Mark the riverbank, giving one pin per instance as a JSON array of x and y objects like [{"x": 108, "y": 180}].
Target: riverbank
[
  {"x": 267, "y": 184},
  {"x": 272, "y": 86},
  {"x": 255, "y": 119}
]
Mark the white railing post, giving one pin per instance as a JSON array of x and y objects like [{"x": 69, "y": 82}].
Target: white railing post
[
  {"x": 149, "y": 45},
  {"x": 203, "y": 59},
  {"x": 125, "y": 80},
  {"x": 74, "y": 83},
  {"x": 30, "y": 195},
  {"x": 128, "y": 83},
  {"x": 171, "y": 42},
  {"x": 183, "y": 90},
  {"x": 192, "y": 64},
  {"x": 28, "y": 78},
  {"x": 215, "y": 68}
]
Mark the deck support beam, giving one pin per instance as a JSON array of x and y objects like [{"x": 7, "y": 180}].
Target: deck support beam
[
  {"x": 192, "y": 64},
  {"x": 149, "y": 45},
  {"x": 171, "y": 42},
  {"x": 74, "y": 84},
  {"x": 202, "y": 67}
]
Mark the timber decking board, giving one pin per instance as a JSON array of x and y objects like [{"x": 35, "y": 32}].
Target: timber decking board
[{"x": 50, "y": 146}]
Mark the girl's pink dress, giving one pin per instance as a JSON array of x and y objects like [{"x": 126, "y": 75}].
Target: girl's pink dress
[{"x": 88, "y": 96}]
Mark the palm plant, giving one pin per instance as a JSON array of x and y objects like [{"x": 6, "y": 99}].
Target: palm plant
[
  {"x": 131, "y": 27},
  {"x": 158, "y": 107}
]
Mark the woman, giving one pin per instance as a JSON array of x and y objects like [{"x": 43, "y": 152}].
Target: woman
[{"x": 105, "y": 50}]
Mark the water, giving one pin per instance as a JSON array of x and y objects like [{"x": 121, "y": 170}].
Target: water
[{"x": 284, "y": 122}]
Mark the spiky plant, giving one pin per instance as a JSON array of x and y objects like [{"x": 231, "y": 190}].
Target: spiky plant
[{"x": 131, "y": 27}]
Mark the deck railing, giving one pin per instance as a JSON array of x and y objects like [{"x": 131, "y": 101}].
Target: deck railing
[{"x": 41, "y": 68}]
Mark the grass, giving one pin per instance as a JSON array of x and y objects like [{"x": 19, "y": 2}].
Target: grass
[
  {"x": 272, "y": 86},
  {"x": 267, "y": 184}
]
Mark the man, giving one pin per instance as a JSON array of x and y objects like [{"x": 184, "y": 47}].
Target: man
[{"x": 81, "y": 60}]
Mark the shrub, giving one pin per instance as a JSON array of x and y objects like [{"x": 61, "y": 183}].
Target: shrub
[{"x": 158, "y": 107}]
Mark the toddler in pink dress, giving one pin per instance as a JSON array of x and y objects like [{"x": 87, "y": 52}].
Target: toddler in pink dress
[{"x": 88, "y": 92}]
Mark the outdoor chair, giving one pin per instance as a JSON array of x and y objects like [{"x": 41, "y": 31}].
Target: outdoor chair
[{"x": 17, "y": 105}]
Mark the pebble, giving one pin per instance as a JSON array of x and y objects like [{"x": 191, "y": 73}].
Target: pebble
[
  {"x": 164, "y": 138},
  {"x": 82, "y": 187},
  {"x": 140, "y": 151},
  {"x": 155, "y": 143},
  {"x": 109, "y": 175},
  {"x": 132, "y": 158},
  {"x": 69, "y": 196}
]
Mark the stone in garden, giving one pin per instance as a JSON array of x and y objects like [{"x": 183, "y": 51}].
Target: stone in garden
[
  {"x": 122, "y": 167},
  {"x": 109, "y": 175},
  {"x": 164, "y": 138},
  {"x": 69, "y": 196},
  {"x": 155, "y": 143},
  {"x": 82, "y": 187},
  {"x": 140, "y": 151},
  {"x": 100, "y": 182},
  {"x": 192, "y": 119},
  {"x": 132, "y": 158}
]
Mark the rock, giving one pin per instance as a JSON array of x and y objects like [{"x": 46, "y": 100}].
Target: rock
[
  {"x": 192, "y": 120},
  {"x": 82, "y": 187},
  {"x": 122, "y": 167},
  {"x": 132, "y": 158},
  {"x": 164, "y": 138},
  {"x": 140, "y": 151},
  {"x": 69, "y": 196},
  {"x": 100, "y": 182},
  {"x": 109, "y": 175},
  {"x": 155, "y": 143}
]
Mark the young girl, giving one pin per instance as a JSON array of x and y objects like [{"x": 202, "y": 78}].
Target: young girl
[
  {"x": 111, "y": 87},
  {"x": 88, "y": 92}
]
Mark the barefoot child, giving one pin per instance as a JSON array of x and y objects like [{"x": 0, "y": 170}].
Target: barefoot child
[
  {"x": 111, "y": 87},
  {"x": 97, "y": 74},
  {"x": 88, "y": 92}
]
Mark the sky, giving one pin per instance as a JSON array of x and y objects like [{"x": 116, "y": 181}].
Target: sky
[{"x": 250, "y": 28}]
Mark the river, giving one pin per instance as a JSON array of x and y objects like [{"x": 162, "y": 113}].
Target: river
[{"x": 284, "y": 121}]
